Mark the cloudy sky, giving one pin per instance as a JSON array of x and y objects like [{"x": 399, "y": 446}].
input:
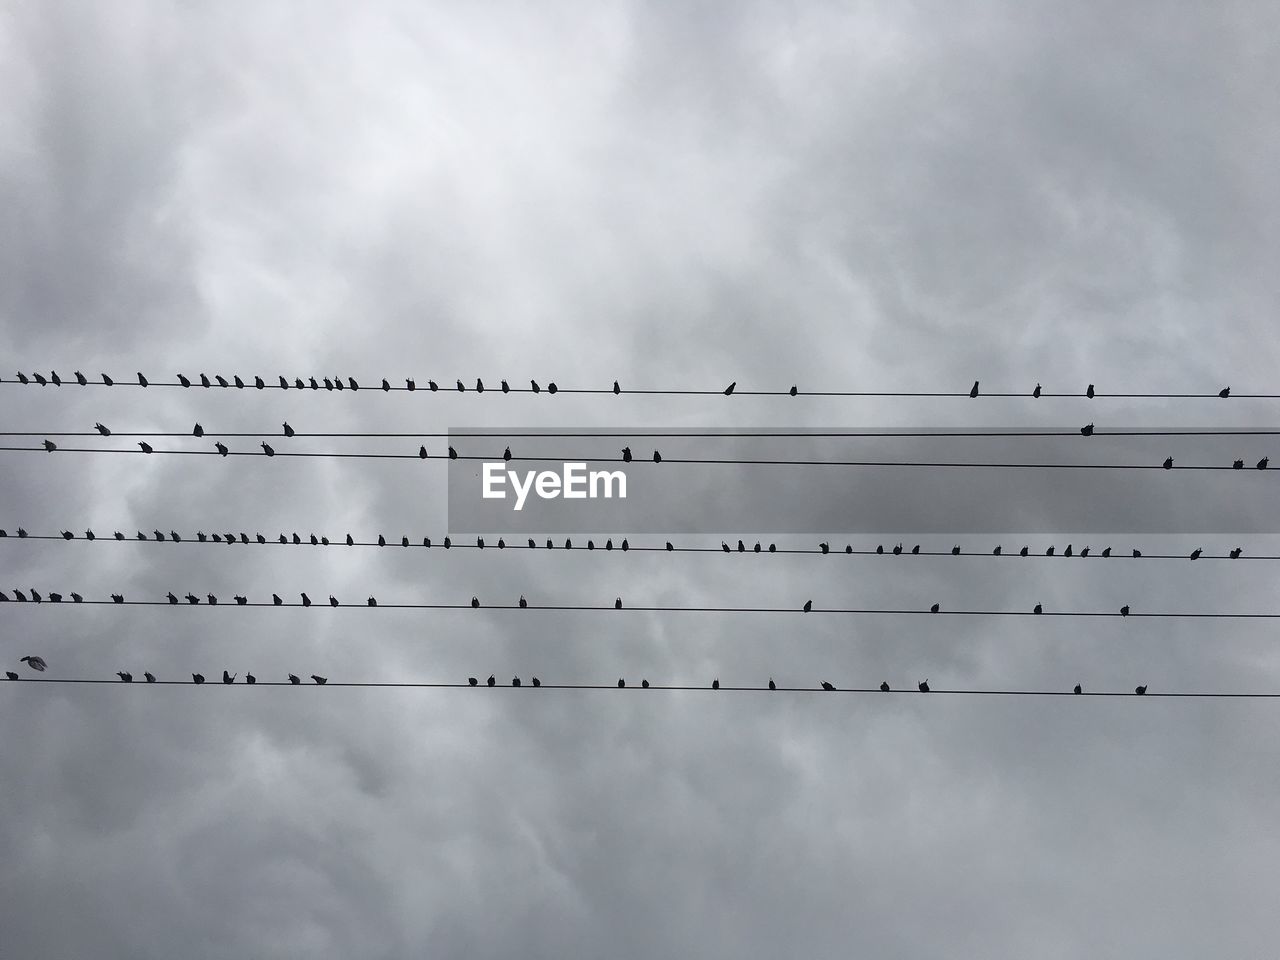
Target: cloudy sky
[{"x": 841, "y": 196}]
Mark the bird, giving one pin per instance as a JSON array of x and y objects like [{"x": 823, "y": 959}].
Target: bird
[
  {"x": 328, "y": 384},
  {"x": 333, "y": 601},
  {"x": 644, "y": 684},
  {"x": 288, "y": 430},
  {"x": 50, "y": 446},
  {"x": 772, "y": 685},
  {"x": 742, "y": 547},
  {"x": 453, "y": 454},
  {"x": 433, "y": 386},
  {"x": 728, "y": 391},
  {"x": 319, "y": 680},
  {"x": 1140, "y": 689},
  {"x": 266, "y": 448},
  {"x": 536, "y": 681},
  {"x": 1137, "y": 553},
  {"x": 924, "y": 686},
  {"x": 1023, "y": 552},
  {"x": 250, "y": 678},
  {"x": 715, "y": 684},
  {"x": 480, "y": 543},
  {"x": 144, "y": 446},
  {"x": 1124, "y": 611},
  {"x": 1084, "y": 552},
  {"x": 1195, "y": 554},
  {"x": 1067, "y": 552},
  {"x": 182, "y": 379},
  {"x": 626, "y": 454},
  {"x": 506, "y": 454},
  {"x": 222, "y": 381},
  {"x": 54, "y": 378},
  {"x": 617, "y": 604},
  {"x": 657, "y": 457},
  {"x": 76, "y": 598},
  {"x": 1235, "y": 554},
  {"x": 724, "y": 546},
  {"x": 934, "y": 608},
  {"x": 461, "y": 388},
  {"x": 68, "y": 535},
  {"x": 241, "y": 600},
  {"x": 22, "y": 377},
  {"x": 117, "y": 598},
  {"x": 174, "y": 536},
  {"x": 808, "y": 606},
  {"x": 824, "y": 547},
  {"x": 306, "y": 601},
  {"x": 515, "y": 681},
  {"x": 80, "y": 379},
  {"x": 222, "y": 448},
  {"x": 472, "y": 681},
  {"x": 422, "y": 452},
  {"x": 1262, "y": 464},
  {"x": 1168, "y": 463},
  {"x": 506, "y": 387},
  {"x": 1037, "y": 609},
  {"x": 523, "y": 602},
  {"x": 1237, "y": 465},
  {"x": 35, "y": 663},
  {"x": 973, "y": 392},
  {"x": 313, "y": 384},
  {"x": 1089, "y": 392},
  {"x": 107, "y": 381},
  {"x": 897, "y": 551},
  {"x": 1049, "y": 551},
  {"x": 475, "y": 602},
  {"x": 794, "y": 390},
  {"x": 1086, "y": 430},
  {"x": 621, "y": 682},
  {"x": 159, "y": 536},
  {"x": 22, "y": 597},
  {"x": 294, "y": 679},
  {"x": 1106, "y": 552},
  {"x": 1077, "y": 689},
  {"x": 884, "y": 686},
  {"x": 149, "y": 677},
  {"x": 102, "y": 430},
  {"x": 351, "y": 383},
  {"x": 533, "y": 384},
  {"x": 35, "y": 595},
  {"x": 955, "y": 551},
  {"x": 205, "y": 381},
  {"x": 827, "y": 686},
  {"x": 479, "y": 385},
  {"x": 670, "y": 546},
  {"x": 915, "y": 551},
  {"x": 492, "y": 680},
  {"x": 1224, "y": 392},
  {"x": 228, "y": 677},
  {"x": 192, "y": 598},
  {"x": 350, "y": 540},
  {"x": 382, "y": 541},
  {"x": 197, "y": 678},
  {"x": 172, "y": 598},
  {"x": 142, "y": 381},
  {"x": 55, "y": 598}
]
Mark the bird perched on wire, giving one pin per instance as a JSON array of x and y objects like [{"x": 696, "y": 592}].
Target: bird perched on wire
[
  {"x": 644, "y": 684},
  {"x": 319, "y": 680},
  {"x": 1037, "y": 609},
  {"x": 149, "y": 677},
  {"x": 523, "y": 602},
  {"x": 472, "y": 681},
  {"x": 1077, "y": 689},
  {"x": 1237, "y": 465},
  {"x": 715, "y": 684},
  {"x": 772, "y": 685},
  {"x": 250, "y": 678},
  {"x": 1224, "y": 392},
  {"x": 973, "y": 392},
  {"x": 1235, "y": 553},
  {"x": 117, "y": 598},
  {"x": 1168, "y": 463},
  {"x": 884, "y": 686},
  {"x": 617, "y": 604},
  {"x": 1036, "y": 392},
  {"x": 924, "y": 686},
  {"x": 657, "y": 457},
  {"x": 1124, "y": 611},
  {"x": 1195, "y": 554},
  {"x": 935, "y": 608},
  {"x": 294, "y": 679},
  {"x": 228, "y": 677},
  {"x": 1089, "y": 392},
  {"x": 306, "y": 601},
  {"x": 1140, "y": 689},
  {"x": 144, "y": 446},
  {"x": 266, "y": 448},
  {"x": 288, "y": 430},
  {"x": 1262, "y": 464},
  {"x": 808, "y": 606},
  {"x": 626, "y": 454},
  {"x": 197, "y": 678},
  {"x": 1086, "y": 430},
  {"x": 475, "y": 602},
  {"x": 827, "y": 686},
  {"x": 515, "y": 681},
  {"x": 102, "y": 430},
  {"x": 492, "y": 680},
  {"x": 728, "y": 391},
  {"x": 50, "y": 446}
]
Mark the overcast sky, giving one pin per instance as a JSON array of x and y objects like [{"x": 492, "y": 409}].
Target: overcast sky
[{"x": 853, "y": 196}]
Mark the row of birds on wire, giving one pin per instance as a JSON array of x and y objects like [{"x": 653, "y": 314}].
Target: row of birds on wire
[
  {"x": 523, "y": 604},
  {"x": 410, "y": 384},
  {"x": 626, "y": 456},
  {"x": 39, "y": 665},
  {"x": 824, "y": 547}
]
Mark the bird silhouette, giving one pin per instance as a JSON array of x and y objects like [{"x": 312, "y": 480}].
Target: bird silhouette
[
  {"x": 1037, "y": 609},
  {"x": 1086, "y": 430},
  {"x": 1067, "y": 552},
  {"x": 142, "y": 381},
  {"x": 250, "y": 678},
  {"x": 472, "y": 681},
  {"x": 1124, "y": 611},
  {"x": 351, "y": 383},
  {"x": 1195, "y": 554},
  {"x": 1140, "y": 689},
  {"x": 724, "y": 546},
  {"x": 808, "y": 606},
  {"x": 626, "y": 454},
  {"x": 644, "y": 684},
  {"x": 382, "y": 541},
  {"x": 884, "y": 686},
  {"x": 197, "y": 678},
  {"x": 1137, "y": 553},
  {"x": 934, "y": 608},
  {"x": 621, "y": 682},
  {"x": 228, "y": 677},
  {"x": 192, "y": 598},
  {"x": 1237, "y": 465},
  {"x": 222, "y": 381},
  {"x": 824, "y": 547},
  {"x": 827, "y": 686},
  {"x": 536, "y": 681},
  {"x": 350, "y": 540},
  {"x": 328, "y": 384},
  {"x": 50, "y": 446},
  {"x": 453, "y": 454},
  {"x": 146, "y": 447},
  {"x": 1235, "y": 554},
  {"x": 80, "y": 379},
  {"x": 1089, "y": 392},
  {"x": 241, "y": 600},
  {"x": 55, "y": 598},
  {"x": 288, "y": 430},
  {"x": 475, "y": 602},
  {"x": 742, "y": 548},
  {"x": 1168, "y": 463},
  {"x": 294, "y": 679},
  {"x": 107, "y": 381},
  {"x": 171, "y": 597},
  {"x": 915, "y": 551},
  {"x": 924, "y": 686},
  {"x": 479, "y": 385},
  {"x": 433, "y": 386},
  {"x": 1262, "y": 464},
  {"x": 794, "y": 390},
  {"x": 506, "y": 454},
  {"x": 533, "y": 385},
  {"x": 728, "y": 391},
  {"x": 772, "y": 685},
  {"x": 222, "y": 448},
  {"x": 117, "y": 598},
  {"x": 1023, "y": 552},
  {"x": 461, "y": 388},
  {"x": 319, "y": 680},
  {"x": 657, "y": 457},
  {"x": 68, "y": 535},
  {"x": 22, "y": 597},
  {"x": 1049, "y": 551},
  {"x": 266, "y": 448},
  {"x": 491, "y": 681},
  {"x": 515, "y": 681},
  {"x": 76, "y": 598},
  {"x": 523, "y": 602},
  {"x": 149, "y": 677},
  {"x": 955, "y": 551},
  {"x": 996, "y": 551},
  {"x": 314, "y": 384},
  {"x": 715, "y": 684},
  {"x": 35, "y": 663},
  {"x": 973, "y": 392},
  {"x": 102, "y": 430},
  {"x": 306, "y": 601},
  {"x": 1224, "y": 392},
  {"x": 1084, "y": 552},
  {"x": 35, "y": 595},
  {"x": 1077, "y": 689},
  {"x": 54, "y": 378},
  {"x": 422, "y": 452},
  {"x": 897, "y": 551},
  {"x": 22, "y": 377}
]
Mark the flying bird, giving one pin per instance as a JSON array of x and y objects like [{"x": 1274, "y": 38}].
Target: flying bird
[{"x": 35, "y": 663}]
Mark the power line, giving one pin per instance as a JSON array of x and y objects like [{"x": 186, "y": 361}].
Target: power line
[
  {"x": 503, "y": 387},
  {"x": 657, "y": 460},
  {"x": 617, "y": 607},
  {"x": 673, "y": 434},
  {"x": 608, "y": 546},
  {"x": 657, "y": 687}
]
